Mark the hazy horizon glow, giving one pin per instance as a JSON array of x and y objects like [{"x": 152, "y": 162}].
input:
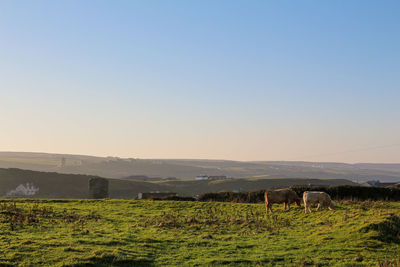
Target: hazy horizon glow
[{"x": 260, "y": 80}]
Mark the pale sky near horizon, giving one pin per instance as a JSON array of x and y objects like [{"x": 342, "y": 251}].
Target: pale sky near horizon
[{"x": 241, "y": 80}]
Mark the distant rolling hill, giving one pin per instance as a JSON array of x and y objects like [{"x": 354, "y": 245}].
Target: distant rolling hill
[
  {"x": 56, "y": 185},
  {"x": 114, "y": 167}
]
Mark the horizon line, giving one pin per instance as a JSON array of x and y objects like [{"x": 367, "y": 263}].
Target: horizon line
[{"x": 198, "y": 159}]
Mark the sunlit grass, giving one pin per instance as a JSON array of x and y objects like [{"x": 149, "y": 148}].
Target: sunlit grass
[{"x": 118, "y": 232}]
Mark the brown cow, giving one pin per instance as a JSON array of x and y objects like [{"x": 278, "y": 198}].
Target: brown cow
[
  {"x": 279, "y": 196},
  {"x": 316, "y": 197}
]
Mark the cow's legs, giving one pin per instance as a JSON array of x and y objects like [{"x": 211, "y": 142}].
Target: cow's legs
[
  {"x": 309, "y": 207},
  {"x": 268, "y": 207},
  {"x": 288, "y": 206},
  {"x": 319, "y": 206},
  {"x": 305, "y": 208},
  {"x": 284, "y": 205}
]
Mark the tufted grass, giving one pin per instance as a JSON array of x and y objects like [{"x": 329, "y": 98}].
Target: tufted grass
[{"x": 161, "y": 233}]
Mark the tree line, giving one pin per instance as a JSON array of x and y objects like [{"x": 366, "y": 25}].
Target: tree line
[{"x": 341, "y": 192}]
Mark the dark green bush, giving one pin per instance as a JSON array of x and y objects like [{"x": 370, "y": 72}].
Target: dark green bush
[
  {"x": 341, "y": 192},
  {"x": 349, "y": 192},
  {"x": 176, "y": 198},
  {"x": 244, "y": 197}
]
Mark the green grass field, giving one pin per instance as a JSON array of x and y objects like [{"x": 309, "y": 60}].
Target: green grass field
[{"x": 160, "y": 233}]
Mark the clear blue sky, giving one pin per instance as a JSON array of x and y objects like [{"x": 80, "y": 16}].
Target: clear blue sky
[{"x": 244, "y": 80}]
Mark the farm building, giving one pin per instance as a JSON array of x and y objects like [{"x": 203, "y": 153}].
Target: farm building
[
  {"x": 213, "y": 177},
  {"x": 201, "y": 177}
]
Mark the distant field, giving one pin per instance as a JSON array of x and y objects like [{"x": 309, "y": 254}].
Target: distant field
[
  {"x": 114, "y": 167},
  {"x": 162, "y": 233},
  {"x": 56, "y": 185},
  {"x": 49, "y": 162}
]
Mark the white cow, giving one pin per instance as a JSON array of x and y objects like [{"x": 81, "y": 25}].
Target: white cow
[{"x": 316, "y": 197}]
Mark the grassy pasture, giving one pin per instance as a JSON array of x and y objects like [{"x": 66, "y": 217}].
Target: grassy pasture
[{"x": 160, "y": 233}]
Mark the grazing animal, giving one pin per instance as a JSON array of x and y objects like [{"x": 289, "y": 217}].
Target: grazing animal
[
  {"x": 316, "y": 197},
  {"x": 279, "y": 196}
]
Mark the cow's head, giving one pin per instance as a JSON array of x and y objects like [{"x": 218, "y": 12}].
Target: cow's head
[{"x": 298, "y": 201}]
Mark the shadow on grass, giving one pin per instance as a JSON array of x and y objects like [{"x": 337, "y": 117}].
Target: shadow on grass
[
  {"x": 113, "y": 261},
  {"x": 388, "y": 230}
]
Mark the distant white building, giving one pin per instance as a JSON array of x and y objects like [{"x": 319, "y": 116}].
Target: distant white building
[
  {"x": 202, "y": 177},
  {"x": 212, "y": 177},
  {"x": 27, "y": 189}
]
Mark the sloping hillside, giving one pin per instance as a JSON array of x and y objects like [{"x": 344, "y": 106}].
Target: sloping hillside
[
  {"x": 198, "y": 187},
  {"x": 56, "y": 185}
]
